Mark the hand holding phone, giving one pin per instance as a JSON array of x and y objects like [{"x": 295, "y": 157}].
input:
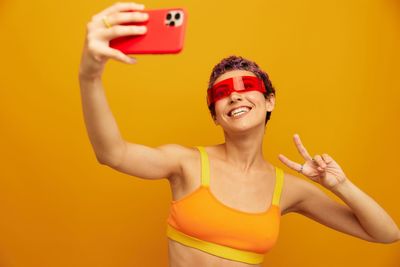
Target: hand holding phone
[
  {"x": 105, "y": 26},
  {"x": 165, "y": 33}
]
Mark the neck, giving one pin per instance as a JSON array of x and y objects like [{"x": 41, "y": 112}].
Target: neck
[{"x": 244, "y": 150}]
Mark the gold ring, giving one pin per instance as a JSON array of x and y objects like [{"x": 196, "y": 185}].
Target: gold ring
[{"x": 106, "y": 23}]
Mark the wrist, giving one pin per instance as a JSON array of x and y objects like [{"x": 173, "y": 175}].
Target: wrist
[
  {"x": 90, "y": 72},
  {"x": 90, "y": 69},
  {"x": 342, "y": 188},
  {"x": 87, "y": 76}
]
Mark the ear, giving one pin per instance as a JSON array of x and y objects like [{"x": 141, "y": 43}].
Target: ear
[{"x": 270, "y": 102}]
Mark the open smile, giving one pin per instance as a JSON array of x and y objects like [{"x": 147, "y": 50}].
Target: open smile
[{"x": 239, "y": 112}]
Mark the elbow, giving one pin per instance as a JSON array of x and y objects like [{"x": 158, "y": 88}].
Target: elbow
[
  {"x": 396, "y": 237},
  {"x": 103, "y": 160},
  {"x": 111, "y": 159},
  {"x": 391, "y": 240}
]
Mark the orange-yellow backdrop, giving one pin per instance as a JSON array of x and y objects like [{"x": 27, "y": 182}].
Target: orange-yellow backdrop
[{"x": 334, "y": 64}]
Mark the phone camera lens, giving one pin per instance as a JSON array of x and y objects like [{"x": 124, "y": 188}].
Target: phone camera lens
[{"x": 174, "y": 18}]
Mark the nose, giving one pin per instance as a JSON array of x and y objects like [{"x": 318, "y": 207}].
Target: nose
[{"x": 235, "y": 97}]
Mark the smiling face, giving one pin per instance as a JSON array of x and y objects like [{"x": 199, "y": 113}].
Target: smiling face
[
  {"x": 232, "y": 63},
  {"x": 241, "y": 108}
]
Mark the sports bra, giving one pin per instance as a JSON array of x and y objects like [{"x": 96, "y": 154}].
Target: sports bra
[{"x": 199, "y": 220}]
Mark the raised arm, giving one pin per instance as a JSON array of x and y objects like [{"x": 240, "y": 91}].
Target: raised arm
[
  {"x": 102, "y": 129},
  {"x": 362, "y": 217}
]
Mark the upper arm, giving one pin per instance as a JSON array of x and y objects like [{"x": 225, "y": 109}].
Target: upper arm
[
  {"x": 316, "y": 205},
  {"x": 148, "y": 162}
]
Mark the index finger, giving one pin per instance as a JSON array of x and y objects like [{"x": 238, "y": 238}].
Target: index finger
[
  {"x": 291, "y": 164},
  {"x": 119, "y": 7},
  {"x": 302, "y": 150}
]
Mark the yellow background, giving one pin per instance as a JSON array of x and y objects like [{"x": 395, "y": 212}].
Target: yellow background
[{"x": 335, "y": 66}]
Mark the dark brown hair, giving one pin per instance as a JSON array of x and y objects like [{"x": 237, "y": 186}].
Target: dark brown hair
[{"x": 240, "y": 63}]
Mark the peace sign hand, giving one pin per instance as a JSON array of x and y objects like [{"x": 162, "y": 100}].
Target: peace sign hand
[{"x": 321, "y": 169}]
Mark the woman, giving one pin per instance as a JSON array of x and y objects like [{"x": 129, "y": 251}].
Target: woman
[{"x": 227, "y": 199}]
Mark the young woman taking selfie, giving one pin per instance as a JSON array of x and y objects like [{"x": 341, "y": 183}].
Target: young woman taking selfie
[{"x": 227, "y": 198}]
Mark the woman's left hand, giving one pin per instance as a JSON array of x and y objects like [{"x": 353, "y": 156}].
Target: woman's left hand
[{"x": 321, "y": 169}]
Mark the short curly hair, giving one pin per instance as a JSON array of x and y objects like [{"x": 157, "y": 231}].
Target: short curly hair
[{"x": 239, "y": 63}]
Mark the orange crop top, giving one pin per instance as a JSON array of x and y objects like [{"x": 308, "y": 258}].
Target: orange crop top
[{"x": 201, "y": 221}]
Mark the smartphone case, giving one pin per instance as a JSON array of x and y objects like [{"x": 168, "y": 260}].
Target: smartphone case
[{"x": 165, "y": 33}]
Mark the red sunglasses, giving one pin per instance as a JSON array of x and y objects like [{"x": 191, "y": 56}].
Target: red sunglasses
[{"x": 225, "y": 87}]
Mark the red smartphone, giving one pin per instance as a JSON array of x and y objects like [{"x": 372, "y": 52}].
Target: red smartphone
[{"x": 165, "y": 33}]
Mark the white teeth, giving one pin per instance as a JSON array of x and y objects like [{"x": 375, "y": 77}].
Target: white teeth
[{"x": 239, "y": 111}]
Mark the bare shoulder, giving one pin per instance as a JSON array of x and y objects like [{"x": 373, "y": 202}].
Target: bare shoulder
[
  {"x": 182, "y": 154},
  {"x": 294, "y": 191},
  {"x": 190, "y": 162}
]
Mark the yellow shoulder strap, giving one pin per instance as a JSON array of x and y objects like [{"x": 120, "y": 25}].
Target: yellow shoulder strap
[
  {"x": 205, "y": 168},
  {"x": 278, "y": 186}
]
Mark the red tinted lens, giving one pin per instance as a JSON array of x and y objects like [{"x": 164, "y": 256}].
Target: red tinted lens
[
  {"x": 221, "y": 91},
  {"x": 253, "y": 83}
]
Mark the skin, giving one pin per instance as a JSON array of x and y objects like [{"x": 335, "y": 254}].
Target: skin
[{"x": 96, "y": 51}]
